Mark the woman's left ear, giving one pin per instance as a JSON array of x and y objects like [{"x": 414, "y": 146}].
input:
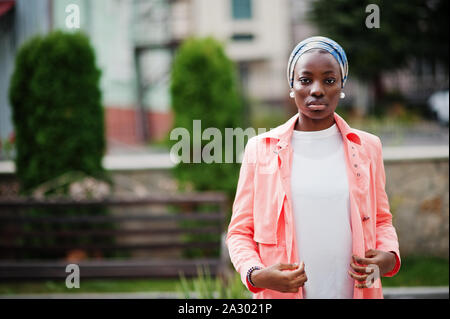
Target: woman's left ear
[{"x": 342, "y": 95}]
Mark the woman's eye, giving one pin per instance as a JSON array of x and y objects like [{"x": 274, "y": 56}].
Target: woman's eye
[
  {"x": 330, "y": 81},
  {"x": 304, "y": 80}
]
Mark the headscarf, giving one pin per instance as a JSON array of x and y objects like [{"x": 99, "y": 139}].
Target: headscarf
[{"x": 318, "y": 43}]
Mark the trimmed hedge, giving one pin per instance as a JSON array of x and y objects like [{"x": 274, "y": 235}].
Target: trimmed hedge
[
  {"x": 56, "y": 109},
  {"x": 204, "y": 87},
  {"x": 59, "y": 127}
]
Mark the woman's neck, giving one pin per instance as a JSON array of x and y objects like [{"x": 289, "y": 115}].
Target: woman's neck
[{"x": 305, "y": 123}]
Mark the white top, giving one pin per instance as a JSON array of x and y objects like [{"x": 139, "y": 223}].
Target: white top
[{"x": 320, "y": 199}]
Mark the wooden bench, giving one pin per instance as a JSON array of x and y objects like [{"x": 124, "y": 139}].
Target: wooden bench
[{"x": 147, "y": 234}]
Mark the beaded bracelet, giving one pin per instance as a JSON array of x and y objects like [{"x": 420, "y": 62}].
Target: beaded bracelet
[{"x": 249, "y": 274}]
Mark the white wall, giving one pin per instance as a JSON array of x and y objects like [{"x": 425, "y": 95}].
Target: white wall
[
  {"x": 26, "y": 19},
  {"x": 267, "y": 54}
]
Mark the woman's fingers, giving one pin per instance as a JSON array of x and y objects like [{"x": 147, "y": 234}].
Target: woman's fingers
[
  {"x": 295, "y": 284},
  {"x": 361, "y": 269},
  {"x": 282, "y": 266},
  {"x": 300, "y": 281},
  {"x": 357, "y": 277},
  {"x": 363, "y": 285},
  {"x": 299, "y": 271},
  {"x": 361, "y": 272},
  {"x": 298, "y": 277},
  {"x": 362, "y": 280},
  {"x": 294, "y": 279},
  {"x": 362, "y": 261},
  {"x": 371, "y": 253}
]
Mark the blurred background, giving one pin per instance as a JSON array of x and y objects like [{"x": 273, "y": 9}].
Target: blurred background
[{"x": 90, "y": 91}]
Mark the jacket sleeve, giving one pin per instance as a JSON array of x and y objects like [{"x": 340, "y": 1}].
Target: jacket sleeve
[
  {"x": 386, "y": 236},
  {"x": 242, "y": 248}
]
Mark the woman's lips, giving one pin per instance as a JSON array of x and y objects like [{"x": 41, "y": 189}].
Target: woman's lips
[{"x": 317, "y": 107}]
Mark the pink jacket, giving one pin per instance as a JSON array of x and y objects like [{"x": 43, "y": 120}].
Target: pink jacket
[{"x": 261, "y": 231}]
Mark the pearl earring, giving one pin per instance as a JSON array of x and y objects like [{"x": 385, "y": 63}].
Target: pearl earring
[
  {"x": 342, "y": 95},
  {"x": 292, "y": 94}
]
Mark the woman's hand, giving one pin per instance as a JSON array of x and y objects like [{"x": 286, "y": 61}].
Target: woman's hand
[
  {"x": 385, "y": 261},
  {"x": 280, "y": 277}
]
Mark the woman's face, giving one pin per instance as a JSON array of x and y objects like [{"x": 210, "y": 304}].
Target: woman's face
[{"x": 317, "y": 84}]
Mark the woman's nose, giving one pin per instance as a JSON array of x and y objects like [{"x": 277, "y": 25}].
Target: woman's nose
[{"x": 316, "y": 89}]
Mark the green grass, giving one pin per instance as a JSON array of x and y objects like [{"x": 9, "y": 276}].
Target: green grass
[
  {"x": 415, "y": 271},
  {"x": 420, "y": 271},
  {"x": 89, "y": 286}
]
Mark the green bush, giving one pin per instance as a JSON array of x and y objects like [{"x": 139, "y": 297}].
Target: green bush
[
  {"x": 59, "y": 125},
  {"x": 56, "y": 109},
  {"x": 204, "y": 87}
]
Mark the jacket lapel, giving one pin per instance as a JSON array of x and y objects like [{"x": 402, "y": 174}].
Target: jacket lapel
[
  {"x": 357, "y": 178},
  {"x": 283, "y": 134}
]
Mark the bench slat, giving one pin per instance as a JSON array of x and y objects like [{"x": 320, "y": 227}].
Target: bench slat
[
  {"x": 107, "y": 247},
  {"x": 152, "y": 199},
  {"x": 14, "y": 221},
  {"x": 109, "y": 219},
  {"x": 110, "y": 269},
  {"x": 11, "y": 234}
]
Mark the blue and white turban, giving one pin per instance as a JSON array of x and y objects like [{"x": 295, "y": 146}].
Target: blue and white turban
[{"x": 318, "y": 43}]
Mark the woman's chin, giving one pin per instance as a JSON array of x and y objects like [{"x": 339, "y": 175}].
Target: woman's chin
[{"x": 316, "y": 114}]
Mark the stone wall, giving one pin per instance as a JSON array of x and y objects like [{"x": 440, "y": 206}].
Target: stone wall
[{"x": 418, "y": 192}]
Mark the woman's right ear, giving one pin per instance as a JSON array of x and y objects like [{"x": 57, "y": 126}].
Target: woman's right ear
[{"x": 292, "y": 94}]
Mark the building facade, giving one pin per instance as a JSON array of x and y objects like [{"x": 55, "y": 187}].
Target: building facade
[{"x": 135, "y": 42}]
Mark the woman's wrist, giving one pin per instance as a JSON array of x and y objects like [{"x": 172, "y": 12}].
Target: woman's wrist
[
  {"x": 251, "y": 275},
  {"x": 393, "y": 261}
]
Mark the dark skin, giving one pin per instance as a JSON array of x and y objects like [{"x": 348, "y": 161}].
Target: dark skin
[
  {"x": 317, "y": 80},
  {"x": 317, "y": 88},
  {"x": 281, "y": 277},
  {"x": 385, "y": 261}
]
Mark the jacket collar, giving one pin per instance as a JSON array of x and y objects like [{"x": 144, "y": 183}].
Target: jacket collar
[{"x": 283, "y": 133}]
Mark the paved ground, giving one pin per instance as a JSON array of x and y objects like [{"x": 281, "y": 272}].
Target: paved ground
[
  {"x": 389, "y": 293},
  {"x": 416, "y": 293},
  {"x": 147, "y": 158}
]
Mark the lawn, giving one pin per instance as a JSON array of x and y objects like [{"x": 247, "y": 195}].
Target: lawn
[
  {"x": 420, "y": 271},
  {"x": 89, "y": 286},
  {"x": 415, "y": 271}
]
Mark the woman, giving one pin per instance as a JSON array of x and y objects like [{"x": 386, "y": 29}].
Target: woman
[{"x": 311, "y": 216}]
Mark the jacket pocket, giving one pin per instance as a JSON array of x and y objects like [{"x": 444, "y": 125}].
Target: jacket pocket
[
  {"x": 265, "y": 230},
  {"x": 267, "y": 157},
  {"x": 268, "y": 218},
  {"x": 271, "y": 241},
  {"x": 271, "y": 254},
  {"x": 269, "y": 166}
]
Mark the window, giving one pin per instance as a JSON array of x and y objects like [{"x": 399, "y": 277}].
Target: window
[
  {"x": 242, "y": 37},
  {"x": 241, "y": 9}
]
